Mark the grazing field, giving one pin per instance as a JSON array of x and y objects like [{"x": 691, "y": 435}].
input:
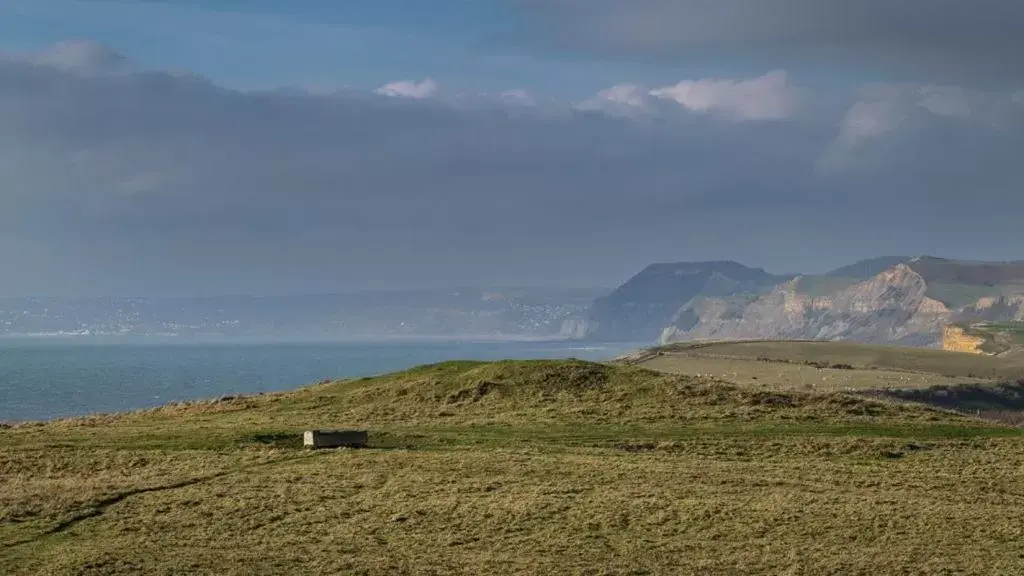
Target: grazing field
[
  {"x": 800, "y": 376},
  {"x": 903, "y": 359},
  {"x": 538, "y": 467}
]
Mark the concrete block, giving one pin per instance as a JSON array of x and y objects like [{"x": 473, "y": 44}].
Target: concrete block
[{"x": 334, "y": 438}]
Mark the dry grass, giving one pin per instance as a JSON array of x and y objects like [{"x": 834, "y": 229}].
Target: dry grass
[{"x": 518, "y": 468}]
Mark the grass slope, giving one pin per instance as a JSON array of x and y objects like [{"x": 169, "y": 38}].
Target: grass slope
[{"x": 545, "y": 467}]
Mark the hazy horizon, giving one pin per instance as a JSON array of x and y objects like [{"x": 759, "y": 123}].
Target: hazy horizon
[{"x": 453, "y": 289}]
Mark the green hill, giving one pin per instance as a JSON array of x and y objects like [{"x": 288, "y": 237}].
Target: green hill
[{"x": 536, "y": 467}]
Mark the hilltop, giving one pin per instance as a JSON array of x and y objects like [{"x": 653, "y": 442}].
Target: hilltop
[{"x": 535, "y": 467}]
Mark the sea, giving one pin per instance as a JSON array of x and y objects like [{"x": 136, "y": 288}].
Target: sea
[{"x": 42, "y": 380}]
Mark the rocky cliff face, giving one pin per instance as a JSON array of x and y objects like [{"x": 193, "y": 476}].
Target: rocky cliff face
[
  {"x": 994, "y": 309},
  {"x": 891, "y": 307},
  {"x": 954, "y": 339}
]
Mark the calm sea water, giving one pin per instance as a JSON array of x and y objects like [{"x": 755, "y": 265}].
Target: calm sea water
[{"x": 52, "y": 380}]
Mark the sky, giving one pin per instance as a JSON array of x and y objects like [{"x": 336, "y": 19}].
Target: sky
[{"x": 269, "y": 147}]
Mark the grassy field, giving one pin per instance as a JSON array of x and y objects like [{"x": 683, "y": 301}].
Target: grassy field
[
  {"x": 545, "y": 467},
  {"x": 800, "y": 376},
  {"x": 1002, "y": 338}
]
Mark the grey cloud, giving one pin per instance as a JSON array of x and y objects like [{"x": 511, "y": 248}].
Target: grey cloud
[
  {"x": 919, "y": 40},
  {"x": 144, "y": 182}
]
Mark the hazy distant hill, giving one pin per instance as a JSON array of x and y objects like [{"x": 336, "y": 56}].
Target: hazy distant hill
[
  {"x": 897, "y": 300},
  {"x": 942, "y": 270},
  {"x": 638, "y": 310}
]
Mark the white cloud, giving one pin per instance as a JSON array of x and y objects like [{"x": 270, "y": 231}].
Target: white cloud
[
  {"x": 768, "y": 97},
  {"x": 426, "y": 88},
  {"x": 868, "y": 119},
  {"x": 628, "y": 100}
]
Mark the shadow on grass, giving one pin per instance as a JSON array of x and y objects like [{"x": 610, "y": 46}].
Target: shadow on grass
[
  {"x": 377, "y": 441},
  {"x": 284, "y": 440},
  {"x": 1002, "y": 402},
  {"x": 612, "y": 436}
]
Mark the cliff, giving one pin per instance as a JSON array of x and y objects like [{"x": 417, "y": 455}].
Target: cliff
[
  {"x": 954, "y": 339},
  {"x": 890, "y": 308}
]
